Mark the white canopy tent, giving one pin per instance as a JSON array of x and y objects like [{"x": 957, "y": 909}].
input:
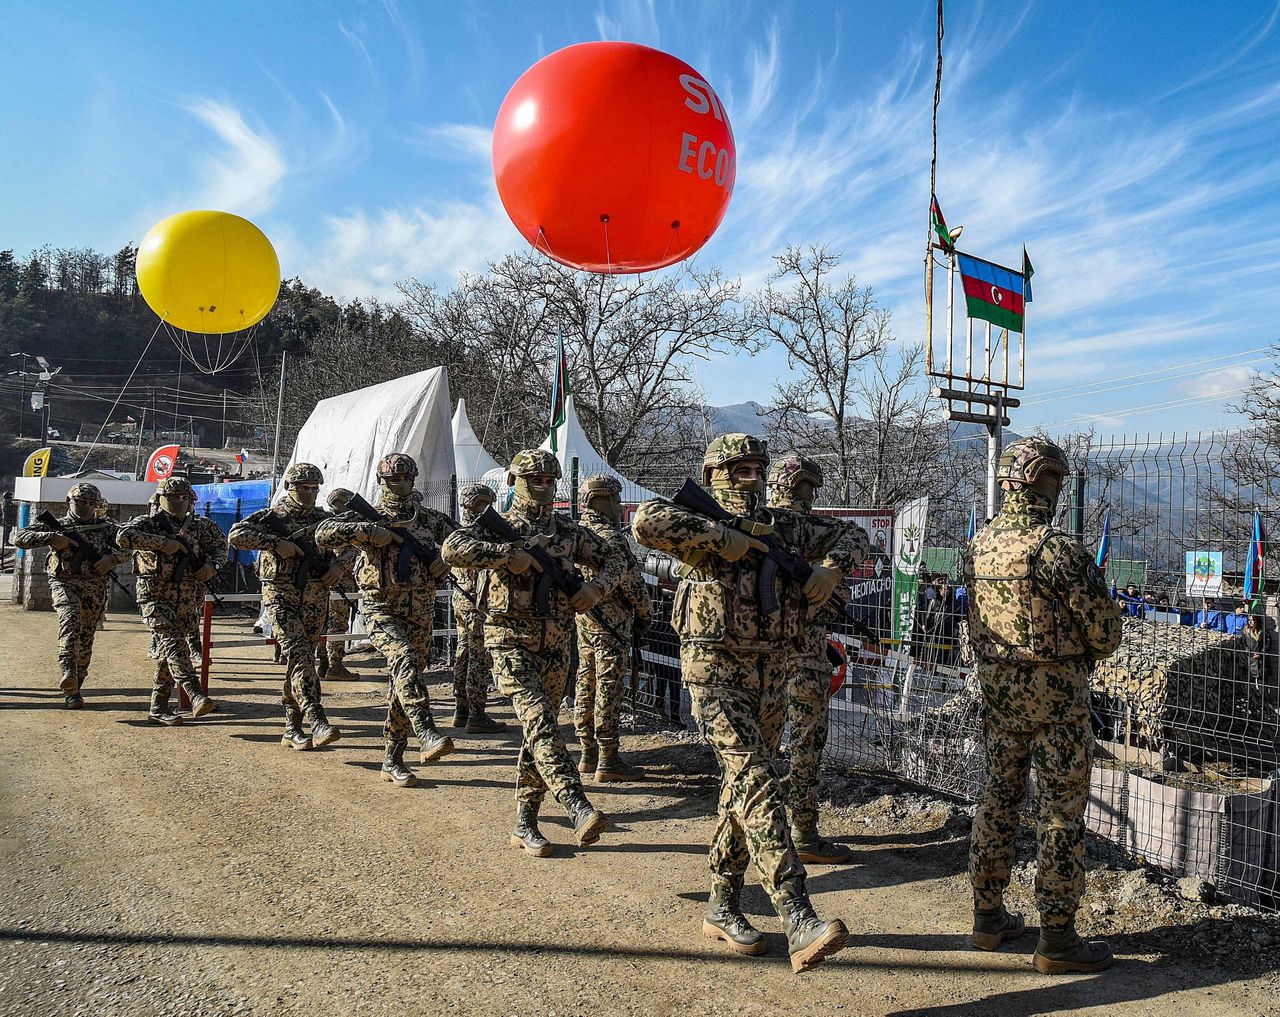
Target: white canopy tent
[
  {"x": 346, "y": 435},
  {"x": 571, "y": 443},
  {"x": 470, "y": 460}
]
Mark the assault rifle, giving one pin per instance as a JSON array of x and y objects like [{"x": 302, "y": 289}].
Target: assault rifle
[
  {"x": 314, "y": 563},
  {"x": 84, "y": 554},
  {"x": 779, "y": 557},
  {"x": 410, "y": 546},
  {"x": 190, "y": 560},
  {"x": 551, "y": 572}
]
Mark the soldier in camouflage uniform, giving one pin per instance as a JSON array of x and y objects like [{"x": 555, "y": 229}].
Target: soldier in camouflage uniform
[
  {"x": 733, "y": 661},
  {"x": 471, "y": 663},
  {"x": 398, "y": 601},
  {"x": 1039, "y": 616},
  {"x": 793, "y": 485},
  {"x": 602, "y": 660},
  {"x": 169, "y": 588},
  {"x": 331, "y": 654},
  {"x": 80, "y": 590},
  {"x": 298, "y": 617},
  {"x": 528, "y": 637}
]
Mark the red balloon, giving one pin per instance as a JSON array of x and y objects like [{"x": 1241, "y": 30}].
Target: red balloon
[{"x": 614, "y": 157}]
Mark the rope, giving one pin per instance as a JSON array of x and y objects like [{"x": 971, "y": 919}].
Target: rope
[{"x": 107, "y": 419}]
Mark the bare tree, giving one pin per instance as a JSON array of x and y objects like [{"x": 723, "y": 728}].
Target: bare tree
[{"x": 630, "y": 341}]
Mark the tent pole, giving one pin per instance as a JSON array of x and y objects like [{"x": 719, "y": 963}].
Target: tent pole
[{"x": 275, "y": 455}]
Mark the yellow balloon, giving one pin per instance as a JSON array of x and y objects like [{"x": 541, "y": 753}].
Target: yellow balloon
[{"x": 209, "y": 272}]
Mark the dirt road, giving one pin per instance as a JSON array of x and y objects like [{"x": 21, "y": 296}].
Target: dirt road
[{"x": 205, "y": 870}]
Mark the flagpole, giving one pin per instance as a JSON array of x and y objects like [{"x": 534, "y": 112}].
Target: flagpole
[
  {"x": 986, "y": 356},
  {"x": 951, "y": 288}
]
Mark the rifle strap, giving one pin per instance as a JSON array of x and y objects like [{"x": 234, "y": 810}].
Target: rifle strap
[{"x": 753, "y": 527}]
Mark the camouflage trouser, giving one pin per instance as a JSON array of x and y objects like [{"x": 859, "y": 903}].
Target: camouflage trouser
[
  {"x": 400, "y": 627},
  {"x": 334, "y": 650},
  {"x": 535, "y": 682},
  {"x": 741, "y": 718},
  {"x": 471, "y": 663},
  {"x": 172, "y": 613},
  {"x": 602, "y": 664},
  {"x": 80, "y": 607},
  {"x": 808, "y": 698},
  {"x": 298, "y": 619},
  {"x": 1062, "y": 753}
]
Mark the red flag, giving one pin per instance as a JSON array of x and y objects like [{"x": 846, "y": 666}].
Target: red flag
[{"x": 162, "y": 462}]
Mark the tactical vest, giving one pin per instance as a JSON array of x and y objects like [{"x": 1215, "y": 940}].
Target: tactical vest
[
  {"x": 516, "y": 596},
  {"x": 1013, "y": 616}
]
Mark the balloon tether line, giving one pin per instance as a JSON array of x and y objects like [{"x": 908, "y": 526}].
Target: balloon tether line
[{"x": 107, "y": 419}]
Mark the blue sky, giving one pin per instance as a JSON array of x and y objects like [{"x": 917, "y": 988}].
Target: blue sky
[{"x": 1132, "y": 147}]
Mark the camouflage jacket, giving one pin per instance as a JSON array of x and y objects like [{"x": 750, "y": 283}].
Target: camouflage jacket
[
  {"x": 391, "y": 569},
  {"x": 145, "y": 534},
  {"x": 631, "y": 596},
  {"x": 253, "y": 533},
  {"x": 1040, "y": 614},
  {"x": 717, "y": 602},
  {"x": 510, "y": 599},
  {"x": 100, "y": 533}
]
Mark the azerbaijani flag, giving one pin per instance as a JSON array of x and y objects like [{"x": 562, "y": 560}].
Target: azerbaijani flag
[
  {"x": 1027, "y": 273},
  {"x": 1104, "y": 545},
  {"x": 992, "y": 292},
  {"x": 559, "y": 391},
  {"x": 1254, "y": 565},
  {"x": 940, "y": 225},
  {"x": 973, "y": 522}
]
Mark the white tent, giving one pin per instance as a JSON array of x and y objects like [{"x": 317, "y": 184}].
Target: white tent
[
  {"x": 470, "y": 460},
  {"x": 571, "y": 443},
  {"x": 346, "y": 435}
]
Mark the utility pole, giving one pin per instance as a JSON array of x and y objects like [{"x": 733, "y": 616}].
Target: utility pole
[
  {"x": 275, "y": 455},
  {"x": 224, "y": 418},
  {"x": 22, "y": 397},
  {"x": 137, "y": 456},
  {"x": 177, "y": 395},
  {"x": 155, "y": 421}
]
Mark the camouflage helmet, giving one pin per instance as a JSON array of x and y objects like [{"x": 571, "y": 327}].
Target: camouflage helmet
[
  {"x": 731, "y": 448},
  {"x": 337, "y": 499},
  {"x": 396, "y": 462},
  {"x": 469, "y": 494},
  {"x": 787, "y": 472},
  {"x": 175, "y": 485},
  {"x": 84, "y": 492},
  {"x": 599, "y": 483},
  {"x": 1028, "y": 459},
  {"x": 533, "y": 460},
  {"x": 303, "y": 473}
]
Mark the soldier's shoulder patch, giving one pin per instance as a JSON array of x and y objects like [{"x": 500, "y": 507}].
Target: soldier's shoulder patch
[{"x": 1094, "y": 575}]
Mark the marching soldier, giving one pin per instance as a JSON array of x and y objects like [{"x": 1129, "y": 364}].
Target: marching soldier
[
  {"x": 471, "y": 663},
  {"x": 793, "y": 485},
  {"x": 733, "y": 661},
  {"x": 528, "y": 635},
  {"x": 332, "y": 653},
  {"x": 602, "y": 659},
  {"x": 77, "y": 581},
  {"x": 174, "y": 552},
  {"x": 398, "y": 600},
  {"x": 1039, "y": 617},
  {"x": 284, "y": 537}
]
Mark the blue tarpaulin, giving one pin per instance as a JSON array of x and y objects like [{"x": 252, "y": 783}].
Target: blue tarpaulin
[{"x": 228, "y": 503}]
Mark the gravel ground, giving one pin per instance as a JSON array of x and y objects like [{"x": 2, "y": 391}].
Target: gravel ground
[{"x": 205, "y": 870}]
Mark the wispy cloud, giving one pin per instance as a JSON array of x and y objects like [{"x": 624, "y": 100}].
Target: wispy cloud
[
  {"x": 630, "y": 21},
  {"x": 415, "y": 56},
  {"x": 364, "y": 254},
  {"x": 466, "y": 141},
  {"x": 357, "y": 33},
  {"x": 246, "y": 175}
]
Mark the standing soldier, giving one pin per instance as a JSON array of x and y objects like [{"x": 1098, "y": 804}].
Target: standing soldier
[
  {"x": 398, "y": 600},
  {"x": 284, "y": 537},
  {"x": 331, "y": 654},
  {"x": 175, "y": 552},
  {"x": 77, "y": 582},
  {"x": 602, "y": 659},
  {"x": 733, "y": 660},
  {"x": 527, "y": 631},
  {"x": 471, "y": 663},
  {"x": 793, "y": 485},
  {"x": 1039, "y": 616}
]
